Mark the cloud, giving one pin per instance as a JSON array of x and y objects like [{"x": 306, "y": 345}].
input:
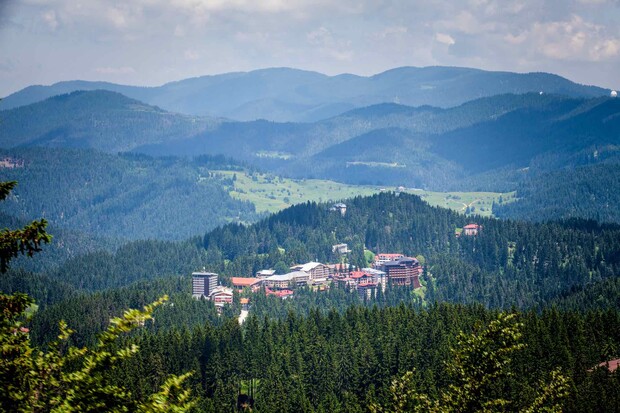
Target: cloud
[
  {"x": 444, "y": 38},
  {"x": 154, "y": 41},
  {"x": 574, "y": 39}
]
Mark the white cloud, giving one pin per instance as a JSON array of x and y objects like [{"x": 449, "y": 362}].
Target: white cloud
[
  {"x": 132, "y": 41},
  {"x": 444, "y": 38},
  {"x": 575, "y": 39}
]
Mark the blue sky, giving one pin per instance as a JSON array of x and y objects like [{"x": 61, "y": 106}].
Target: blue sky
[{"x": 150, "y": 42}]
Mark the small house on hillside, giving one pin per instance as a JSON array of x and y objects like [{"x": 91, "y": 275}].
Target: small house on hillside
[
  {"x": 342, "y": 208},
  {"x": 471, "y": 229},
  {"x": 340, "y": 249}
]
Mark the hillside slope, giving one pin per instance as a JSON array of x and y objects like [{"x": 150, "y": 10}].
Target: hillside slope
[
  {"x": 98, "y": 119},
  {"x": 127, "y": 197}
]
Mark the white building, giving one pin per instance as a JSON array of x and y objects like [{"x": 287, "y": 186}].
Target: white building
[{"x": 315, "y": 270}]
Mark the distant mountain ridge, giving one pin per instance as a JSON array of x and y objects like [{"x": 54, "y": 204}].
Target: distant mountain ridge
[
  {"x": 292, "y": 95},
  {"x": 98, "y": 119}
]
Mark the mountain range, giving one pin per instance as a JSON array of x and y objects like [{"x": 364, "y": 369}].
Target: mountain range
[
  {"x": 292, "y": 95},
  {"x": 482, "y": 144}
]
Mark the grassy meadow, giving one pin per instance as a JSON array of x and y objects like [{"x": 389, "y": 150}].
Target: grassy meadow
[{"x": 271, "y": 193}]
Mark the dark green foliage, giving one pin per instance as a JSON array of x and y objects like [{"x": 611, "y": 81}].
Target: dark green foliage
[
  {"x": 589, "y": 192},
  {"x": 126, "y": 196},
  {"x": 347, "y": 361},
  {"x": 23, "y": 241}
]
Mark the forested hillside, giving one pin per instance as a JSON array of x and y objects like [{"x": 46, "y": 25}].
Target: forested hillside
[
  {"x": 332, "y": 351},
  {"x": 591, "y": 192},
  {"x": 120, "y": 196},
  {"x": 98, "y": 119},
  {"x": 508, "y": 264}
]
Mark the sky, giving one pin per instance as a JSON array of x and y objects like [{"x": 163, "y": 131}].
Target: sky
[{"x": 151, "y": 42}]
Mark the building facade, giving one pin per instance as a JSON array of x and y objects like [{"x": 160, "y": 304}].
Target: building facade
[
  {"x": 405, "y": 271},
  {"x": 203, "y": 284}
]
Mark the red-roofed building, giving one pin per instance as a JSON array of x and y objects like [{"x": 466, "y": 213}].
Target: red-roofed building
[
  {"x": 241, "y": 282},
  {"x": 283, "y": 294},
  {"x": 471, "y": 229},
  {"x": 611, "y": 365},
  {"x": 361, "y": 281}
]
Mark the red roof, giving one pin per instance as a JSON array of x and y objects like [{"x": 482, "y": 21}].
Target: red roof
[
  {"x": 244, "y": 301},
  {"x": 244, "y": 281},
  {"x": 471, "y": 226},
  {"x": 611, "y": 365},
  {"x": 358, "y": 274}
]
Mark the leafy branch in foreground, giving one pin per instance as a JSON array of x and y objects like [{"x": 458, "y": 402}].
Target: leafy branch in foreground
[
  {"x": 478, "y": 362},
  {"x": 26, "y": 240},
  {"x": 71, "y": 379}
]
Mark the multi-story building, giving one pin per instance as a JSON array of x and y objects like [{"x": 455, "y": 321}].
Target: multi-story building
[
  {"x": 203, "y": 284},
  {"x": 405, "y": 271},
  {"x": 287, "y": 281},
  {"x": 315, "y": 270},
  {"x": 382, "y": 258}
]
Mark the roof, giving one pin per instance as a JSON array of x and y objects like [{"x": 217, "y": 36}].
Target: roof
[
  {"x": 244, "y": 301},
  {"x": 266, "y": 272},
  {"x": 287, "y": 277},
  {"x": 203, "y": 274},
  {"x": 359, "y": 274},
  {"x": 611, "y": 365},
  {"x": 280, "y": 277},
  {"x": 221, "y": 290},
  {"x": 401, "y": 261},
  {"x": 309, "y": 266},
  {"x": 280, "y": 293},
  {"x": 389, "y": 255},
  {"x": 471, "y": 226},
  {"x": 245, "y": 281}
]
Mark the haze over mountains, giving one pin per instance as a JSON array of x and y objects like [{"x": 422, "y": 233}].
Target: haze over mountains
[{"x": 292, "y": 95}]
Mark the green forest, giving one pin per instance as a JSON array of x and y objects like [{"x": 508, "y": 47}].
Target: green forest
[{"x": 542, "y": 299}]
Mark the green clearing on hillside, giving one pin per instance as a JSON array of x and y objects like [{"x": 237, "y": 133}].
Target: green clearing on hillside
[{"x": 270, "y": 193}]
